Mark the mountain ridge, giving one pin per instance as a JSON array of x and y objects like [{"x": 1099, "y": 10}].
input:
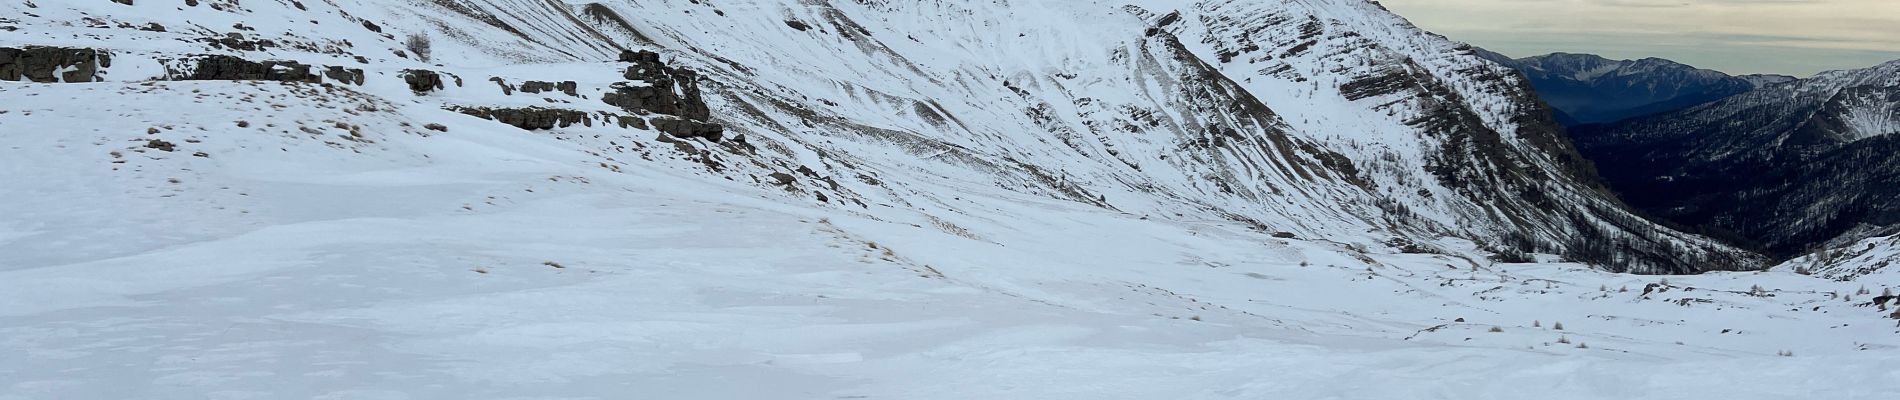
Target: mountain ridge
[
  {"x": 1589, "y": 89},
  {"x": 1796, "y": 163}
]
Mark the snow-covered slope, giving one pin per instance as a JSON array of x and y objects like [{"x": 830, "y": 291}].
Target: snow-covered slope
[
  {"x": 1789, "y": 166},
  {"x": 487, "y": 262},
  {"x": 903, "y": 199},
  {"x": 1158, "y": 109},
  {"x": 1868, "y": 260}
]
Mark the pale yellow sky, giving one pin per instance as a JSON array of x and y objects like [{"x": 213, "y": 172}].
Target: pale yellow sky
[{"x": 1796, "y": 37}]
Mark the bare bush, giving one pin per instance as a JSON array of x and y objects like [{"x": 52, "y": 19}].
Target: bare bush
[{"x": 419, "y": 45}]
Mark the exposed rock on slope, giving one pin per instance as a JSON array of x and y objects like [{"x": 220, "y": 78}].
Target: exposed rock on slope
[
  {"x": 657, "y": 88},
  {"x": 219, "y": 67},
  {"x": 52, "y": 64},
  {"x": 531, "y": 118}
]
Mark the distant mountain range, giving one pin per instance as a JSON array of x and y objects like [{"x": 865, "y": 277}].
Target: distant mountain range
[
  {"x": 1588, "y": 89},
  {"x": 1786, "y": 167},
  {"x": 1771, "y": 162}
]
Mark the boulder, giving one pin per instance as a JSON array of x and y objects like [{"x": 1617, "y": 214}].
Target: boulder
[
  {"x": 506, "y": 89},
  {"x": 352, "y": 76},
  {"x": 629, "y": 121},
  {"x": 422, "y": 80},
  {"x": 160, "y": 145}
]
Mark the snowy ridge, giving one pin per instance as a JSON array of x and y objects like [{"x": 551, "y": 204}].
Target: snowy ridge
[
  {"x": 1870, "y": 260},
  {"x": 1764, "y": 80},
  {"x": 1588, "y": 67},
  {"x": 1885, "y": 74},
  {"x": 1409, "y": 101},
  {"x": 1591, "y": 89}
]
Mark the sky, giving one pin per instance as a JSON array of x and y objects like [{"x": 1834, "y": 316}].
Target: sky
[{"x": 1793, "y": 37}]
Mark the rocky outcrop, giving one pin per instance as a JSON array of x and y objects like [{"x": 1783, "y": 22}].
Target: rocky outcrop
[
  {"x": 232, "y": 68},
  {"x": 530, "y": 118},
  {"x": 683, "y": 128},
  {"x": 629, "y": 121},
  {"x": 229, "y": 68},
  {"x": 352, "y": 76},
  {"x": 655, "y": 88},
  {"x": 568, "y": 87},
  {"x": 52, "y": 64},
  {"x": 236, "y": 41},
  {"x": 659, "y": 90}
]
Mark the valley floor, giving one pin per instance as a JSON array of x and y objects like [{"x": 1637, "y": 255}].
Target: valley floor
[{"x": 376, "y": 259}]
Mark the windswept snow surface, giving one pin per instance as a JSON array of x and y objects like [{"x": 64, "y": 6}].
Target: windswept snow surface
[
  {"x": 487, "y": 262},
  {"x": 266, "y": 240}
]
